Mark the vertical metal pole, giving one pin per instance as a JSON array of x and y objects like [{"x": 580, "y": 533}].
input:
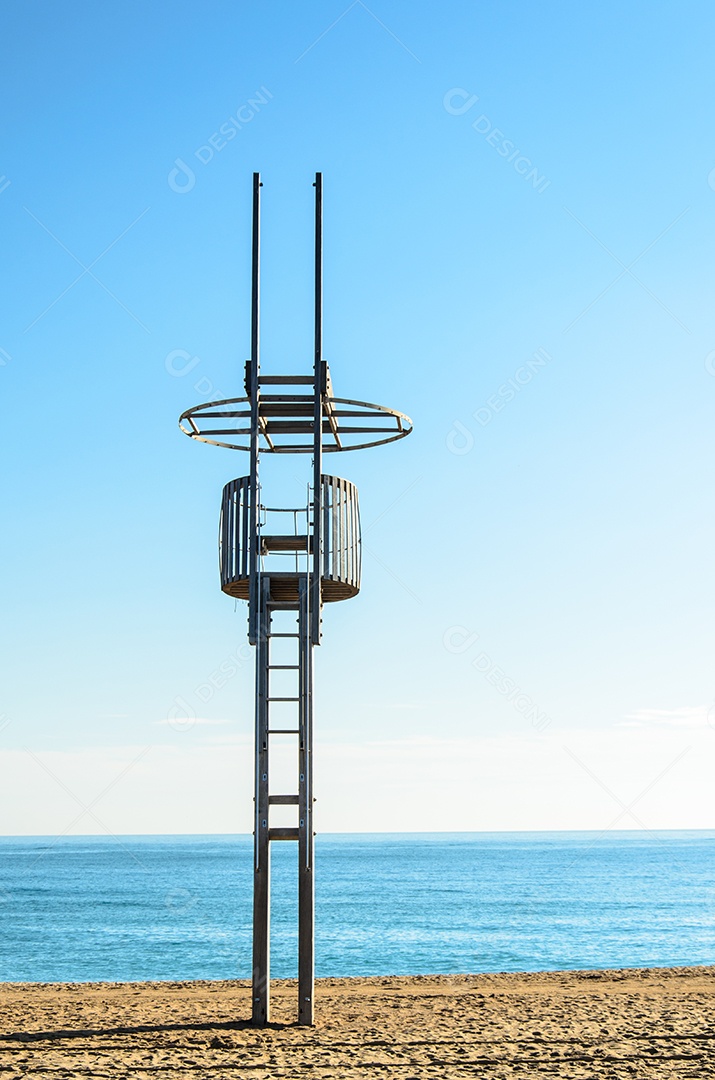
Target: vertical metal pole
[
  {"x": 258, "y": 634},
  {"x": 306, "y": 879},
  {"x": 254, "y": 371},
  {"x": 262, "y": 865},
  {"x": 319, "y": 389},
  {"x": 310, "y": 619}
]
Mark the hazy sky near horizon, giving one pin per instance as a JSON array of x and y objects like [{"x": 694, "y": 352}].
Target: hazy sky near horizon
[{"x": 519, "y": 227}]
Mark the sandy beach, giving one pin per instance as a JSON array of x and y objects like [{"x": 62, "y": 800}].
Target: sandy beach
[{"x": 612, "y": 1024}]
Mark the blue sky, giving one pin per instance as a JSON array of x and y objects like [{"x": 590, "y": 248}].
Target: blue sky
[{"x": 519, "y": 225}]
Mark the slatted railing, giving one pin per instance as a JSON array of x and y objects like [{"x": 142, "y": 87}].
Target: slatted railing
[
  {"x": 234, "y": 532},
  {"x": 341, "y": 532},
  {"x": 340, "y": 562}
]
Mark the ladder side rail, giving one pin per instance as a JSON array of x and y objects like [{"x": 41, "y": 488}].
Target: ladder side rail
[
  {"x": 318, "y": 390},
  {"x": 306, "y": 843},
  {"x": 254, "y": 393},
  {"x": 262, "y": 865}
]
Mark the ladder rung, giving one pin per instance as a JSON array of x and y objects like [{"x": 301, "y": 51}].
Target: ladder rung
[
  {"x": 283, "y": 800},
  {"x": 284, "y": 542},
  {"x": 283, "y": 699},
  {"x": 284, "y": 731},
  {"x": 286, "y": 380},
  {"x": 283, "y": 667},
  {"x": 286, "y": 399},
  {"x": 284, "y": 635},
  {"x": 283, "y": 834}
]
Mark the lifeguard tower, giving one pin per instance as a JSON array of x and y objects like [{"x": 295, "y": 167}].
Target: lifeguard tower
[{"x": 278, "y": 570}]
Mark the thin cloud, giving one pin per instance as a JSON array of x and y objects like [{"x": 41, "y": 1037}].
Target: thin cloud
[
  {"x": 193, "y": 721},
  {"x": 687, "y": 716}
]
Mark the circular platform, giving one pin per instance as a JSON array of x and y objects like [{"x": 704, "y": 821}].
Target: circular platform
[
  {"x": 285, "y": 588},
  {"x": 286, "y": 423},
  {"x": 286, "y": 557}
]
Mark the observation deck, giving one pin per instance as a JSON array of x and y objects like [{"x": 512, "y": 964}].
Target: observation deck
[{"x": 284, "y": 557}]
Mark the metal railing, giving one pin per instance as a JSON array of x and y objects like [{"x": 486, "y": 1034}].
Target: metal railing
[
  {"x": 340, "y": 562},
  {"x": 341, "y": 532}
]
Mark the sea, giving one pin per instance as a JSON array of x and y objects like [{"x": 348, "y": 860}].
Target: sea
[{"x": 179, "y": 907}]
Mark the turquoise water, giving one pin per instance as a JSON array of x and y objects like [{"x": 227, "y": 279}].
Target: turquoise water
[{"x": 172, "y": 907}]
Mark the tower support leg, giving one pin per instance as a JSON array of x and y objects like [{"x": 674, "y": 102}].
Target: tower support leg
[
  {"x": 261, "y": 1012},
  {"x": 306, "y": 845}
]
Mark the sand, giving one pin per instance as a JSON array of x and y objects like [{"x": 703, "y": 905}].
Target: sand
[{"x": 611, "y": 1024}]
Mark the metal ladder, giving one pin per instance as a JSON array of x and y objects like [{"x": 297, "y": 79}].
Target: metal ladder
[{"x": 302, "y": 796}]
